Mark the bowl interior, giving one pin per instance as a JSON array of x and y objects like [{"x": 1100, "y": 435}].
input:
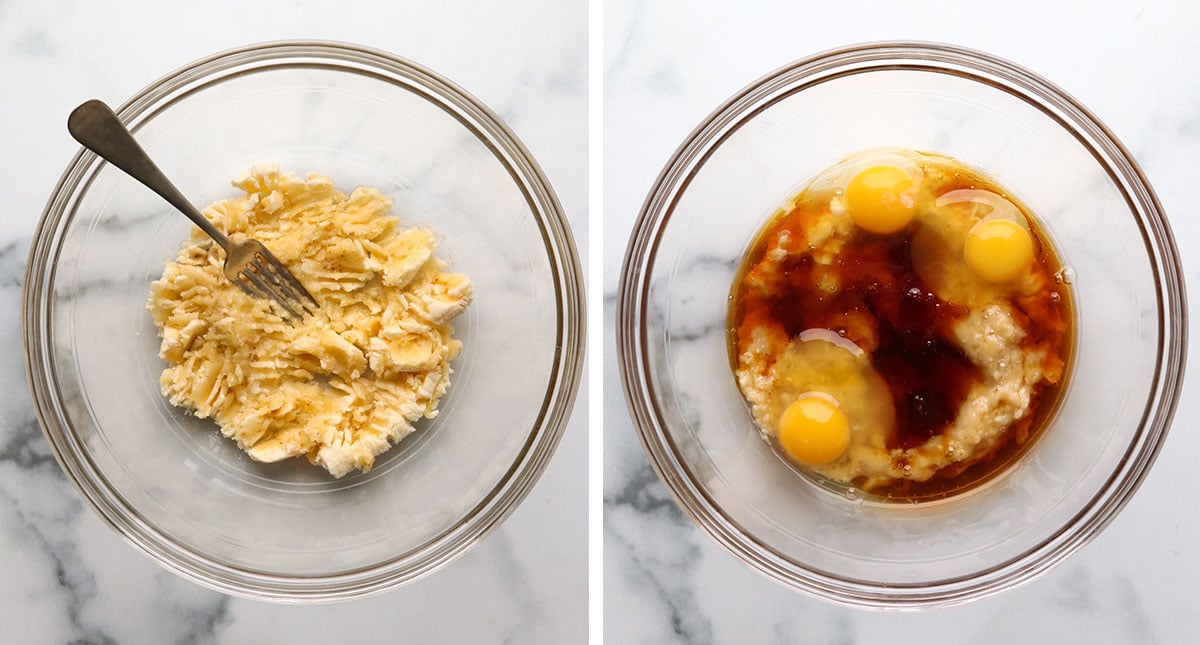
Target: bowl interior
[
  {"x": 767, "y": 155},
  {"x": 174, "y": 472}
]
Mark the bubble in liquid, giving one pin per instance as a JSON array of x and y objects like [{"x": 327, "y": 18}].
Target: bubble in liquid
[{"x": 1065, "y": 275}]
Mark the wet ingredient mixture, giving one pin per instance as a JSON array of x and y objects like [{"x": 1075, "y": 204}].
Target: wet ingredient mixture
[{"x": 900, "y": 326}]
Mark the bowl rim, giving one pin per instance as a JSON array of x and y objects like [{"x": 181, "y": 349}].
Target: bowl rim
[
  {"x": 543, "y": 437},
  {"x": 669, "y": 461}
]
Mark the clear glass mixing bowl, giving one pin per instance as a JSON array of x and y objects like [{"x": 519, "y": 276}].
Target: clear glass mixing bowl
[
  {"x": 168, "y": 481},
  {"x": 760, "y": 148}
]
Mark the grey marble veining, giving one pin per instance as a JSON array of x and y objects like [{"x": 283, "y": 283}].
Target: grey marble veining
[
  {"x": 68, "y": 576},
  {"x": 668, "y": 65}
]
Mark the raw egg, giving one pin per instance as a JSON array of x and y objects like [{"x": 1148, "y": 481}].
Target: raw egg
[
  {"x": 813, "y": 429},
  {"x": 881, "y": 199},
  {"x": 998, "y": 247},
  {"x": 825, "y": 395},
  {"x": 998, "y": 250}
]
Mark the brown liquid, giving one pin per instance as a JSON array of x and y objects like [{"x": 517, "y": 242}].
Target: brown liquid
[{"x": 884, "y": 307}]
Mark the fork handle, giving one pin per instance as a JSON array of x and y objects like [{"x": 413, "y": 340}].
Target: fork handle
[{"x": 97, "y": 127}]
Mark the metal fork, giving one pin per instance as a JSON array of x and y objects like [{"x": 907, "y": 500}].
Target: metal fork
[{"x": 249, "y": 264}]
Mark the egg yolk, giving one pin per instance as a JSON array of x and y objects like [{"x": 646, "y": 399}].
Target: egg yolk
[
  {"x": 877, "y": 199},
  {"x": 998, "y": 250},
  {"x": 813, "y": 430}
]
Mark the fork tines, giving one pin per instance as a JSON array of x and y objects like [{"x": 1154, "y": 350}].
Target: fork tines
[{"x": 266, "y": 277}]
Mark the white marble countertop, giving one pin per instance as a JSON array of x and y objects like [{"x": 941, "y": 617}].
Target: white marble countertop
[
  {"x": 67, "y": 576},
  {"x": 667, "y": 65}
]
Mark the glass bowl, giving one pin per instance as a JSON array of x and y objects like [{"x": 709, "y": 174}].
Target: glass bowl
[
  {"x": 166, "y": 480},
  {"x": 759, "y": 149}
]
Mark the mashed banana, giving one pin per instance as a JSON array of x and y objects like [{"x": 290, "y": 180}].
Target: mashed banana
[{"x": 340, "y": 386}]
